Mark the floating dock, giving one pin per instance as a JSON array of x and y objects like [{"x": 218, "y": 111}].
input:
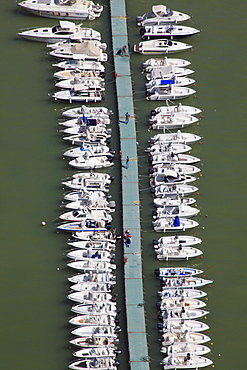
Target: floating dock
[{"x": 136, "y": 328}]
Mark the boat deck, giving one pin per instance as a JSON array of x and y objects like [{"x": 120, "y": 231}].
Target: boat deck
[{"x": 136, "y": 329}]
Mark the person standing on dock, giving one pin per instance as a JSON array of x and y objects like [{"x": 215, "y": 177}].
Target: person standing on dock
[
  {"x": 127, "y": 117},
  {"x": 127, "y": 164}
]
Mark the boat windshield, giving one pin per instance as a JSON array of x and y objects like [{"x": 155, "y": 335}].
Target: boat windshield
[{"x": 65, "y": 2}]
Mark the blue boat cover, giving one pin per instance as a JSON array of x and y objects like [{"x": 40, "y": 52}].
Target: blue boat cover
[
  {"x": 166, "y": 82},
  {"x": 176, "y": 221}
]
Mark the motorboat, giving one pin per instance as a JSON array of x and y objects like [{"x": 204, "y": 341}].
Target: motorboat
[
  {"x": 190, "y": 337},
  {"x": 190, "y": 361},
  {"x": 176, "y": 271},
  {"x": 84, "y": 195},
  {"x": 69, "y": 74},
  {"x": 172, "y": 122},
  {"x": 175, "y": 148},
  {"x": 83, "y": 65},
  {"x": 85, "y": 296},
  {"x": 169, "y": 109},
  {"x": 168, "y": 31},
  {"x": 176, "y": 241},
  {"x": 162, "y": 191},
  {"x": 167, "y": 72},
  {"x": 177, "y": 254},
  {"x": 96, "y": 352},
  {"x": 173, "y": 224},
  {"x": 98, "y": 176},
  {"x": 178, "y": 313},
  {"x": 85, "y": 122},
  {"x": 93, "y": 341},
  {"x": 92, "y": 265},
  {"x": 173, "y": 201},
  {"x": 96, "y": 204},
  {"x": 170, "y": 92},
  {"x": 160, "y": 62},
  {"x": 63, "y": 9},
  {"x": 93, "y": 287},
  {"x": 89, "y": 138},
  {"x": 88, "y": 184},
  {"x": 161, "y": 46},
  {"x": 175, "y": 303},
  {"x": 110, "y": 245},
  {"x": 181, "y": 349},
  {"x": 95, "y": 150},
  {"x": 181, "y": 169},
  {"x": 162, "y": 82},
  {"x": 169, "y": 176},
  {"x": 89, "y": 49},
  {"x": 87, "y": 96},
  {"x": 178, "y": 326},
  {"x": 182, "y": 210},
  {"x": 95, "y": 235},
  {"x": 161, "y": 14},
  {"x": 175, "y": 137},
  {"x": 174, "y": 158},
  {"x": 85, "y": 213},
  {"x": 179, "y": 293},
  {"x": 92, "y": 278},
  {"x": 84, "y": 330},
  {"x": 88, "y": 320},
  {"x": 184, "y": 282},
  {"x": 85, "y": 110},
  {"x": 85, "y": 225},
  {"x": 86, "y": 162},
  {"x": 82, "y": 83},
  {"x": 87, "y": 129},
  {"x": 102, "y": 363},
  {"x": 80, "y": 254},
  {"x": 63, "y": 31}
]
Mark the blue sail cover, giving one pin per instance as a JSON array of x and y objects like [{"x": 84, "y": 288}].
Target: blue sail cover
[{"x": 167, "y": 82}]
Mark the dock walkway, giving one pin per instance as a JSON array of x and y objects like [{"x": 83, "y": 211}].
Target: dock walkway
[{"x": 136, "y": 329}]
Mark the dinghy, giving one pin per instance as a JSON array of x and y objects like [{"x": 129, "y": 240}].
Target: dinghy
[
  {"x": 63, "y": 31},
  {"x": 173, "y": 224},
  {"x": 177, "y": 254},
  {"x": 181, "y": 349},
  {"x": 169, "y": 109},
  {"x": 190, "y": 361},
  {"x": 63, "y": 9},
  {"x": 176, "y": 137},
  {"x": 90, "y": 49},
  {"x": 161, "y": 14},
  {"x": 160, "y": 47},
  {"x": 160, "y": 62},
  {"x": 168, "y": 31},
  {"x": 171, "y": 92}
]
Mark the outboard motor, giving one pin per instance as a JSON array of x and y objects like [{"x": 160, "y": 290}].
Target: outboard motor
[
  {"x": 142, "y": 31},
  {"x": 156, "y": 272},
  {"x": 152, "y": 191},
  {"x": 151, "y": 170},
  {"x": 112, "y": 178},
  {"x": 155, "y": 242}
]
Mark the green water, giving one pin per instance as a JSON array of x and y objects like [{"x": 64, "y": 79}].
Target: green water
[{"x": 34, "y": 310}]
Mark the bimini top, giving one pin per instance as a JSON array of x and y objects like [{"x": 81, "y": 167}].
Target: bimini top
[{"x": 161, "y": 10}]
